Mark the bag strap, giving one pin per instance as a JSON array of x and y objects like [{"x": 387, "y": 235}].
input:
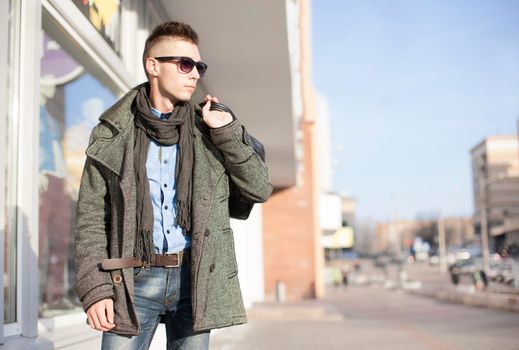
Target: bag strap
[{"x": 256, "y": 144}]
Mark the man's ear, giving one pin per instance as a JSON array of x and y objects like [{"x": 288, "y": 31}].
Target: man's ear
[{"x": 152, "y": 67}]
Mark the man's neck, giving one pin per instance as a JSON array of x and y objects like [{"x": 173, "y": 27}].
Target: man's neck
[
  {"x": 159, "y": 101},
  {"x": 163, "y": 106}
]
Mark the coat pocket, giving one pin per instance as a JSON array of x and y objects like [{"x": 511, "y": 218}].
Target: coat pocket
[
  {"x": 232, "y": 264},
  {"x": 138, "y": 272},
  {"x": 124, "y": 314}
]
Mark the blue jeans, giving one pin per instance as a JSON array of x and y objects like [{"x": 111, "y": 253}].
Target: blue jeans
[{"x": 162, "y": 292}]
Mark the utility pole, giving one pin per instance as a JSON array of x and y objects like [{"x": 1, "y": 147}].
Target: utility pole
[
  {"x": 485, "y": 247},
  {"x": 442, "y": 245}
]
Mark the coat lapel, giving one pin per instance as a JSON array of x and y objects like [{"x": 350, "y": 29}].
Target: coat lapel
[{"x": 116, "y": 154}]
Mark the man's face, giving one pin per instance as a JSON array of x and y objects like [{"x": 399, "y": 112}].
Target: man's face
[{"x": 172, "y": 82}]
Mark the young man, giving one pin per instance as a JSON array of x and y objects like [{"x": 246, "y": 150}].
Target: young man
[{"x": 153, "y": 238}]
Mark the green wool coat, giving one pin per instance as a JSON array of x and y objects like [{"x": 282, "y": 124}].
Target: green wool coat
[{"x": 106, "y": 214}]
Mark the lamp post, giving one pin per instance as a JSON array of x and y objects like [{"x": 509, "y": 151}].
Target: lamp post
[{"x": 442, "y": 246}]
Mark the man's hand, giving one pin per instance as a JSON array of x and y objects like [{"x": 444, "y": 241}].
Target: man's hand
[
  {"x": 101, "y": 315},
  {"x": 214, "y": 119}
]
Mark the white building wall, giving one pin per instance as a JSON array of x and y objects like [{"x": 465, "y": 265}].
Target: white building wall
[
  {"x": 330, "y": 211},
  {"x": 324, "y": 143},
  {"x": 330, "y": 205},
  {"x": 248, "y": 242},
  {"x": 293, "y": 9}
]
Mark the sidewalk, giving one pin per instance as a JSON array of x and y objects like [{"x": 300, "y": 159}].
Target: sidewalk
[
  {"x": 308, "y": 324},
  {"x": 377, "y": 311},
  {"x": 369, "y": 317}
]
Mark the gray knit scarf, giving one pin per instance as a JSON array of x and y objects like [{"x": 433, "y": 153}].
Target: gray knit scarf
[{"x": 177, "y": 129}]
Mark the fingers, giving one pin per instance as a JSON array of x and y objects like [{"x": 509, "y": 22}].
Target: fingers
[
  {"x": 110, "y": 312},
  {"x": 93, "y": 320},
  {"x": 90, "y": 322},
  {"x": 214, "y": 119},
  {"x": 207, "y": 107},
  {"x": 211, "y": 98},
  {"x": 102, "y": 313},
  {"x": 97, "y": 315}
]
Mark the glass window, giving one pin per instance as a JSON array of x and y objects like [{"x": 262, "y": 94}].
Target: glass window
[
  {"x": 105, "y": 16},
  {"x": 9, "y": 178},
  {"x": 73, "y": 96}
]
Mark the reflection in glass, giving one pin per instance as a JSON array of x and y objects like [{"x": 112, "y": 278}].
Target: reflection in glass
[
  {"x": 71, "y": 101},
  {"x": 105, "y": 16},
  {"x": 9, "y": 211}
]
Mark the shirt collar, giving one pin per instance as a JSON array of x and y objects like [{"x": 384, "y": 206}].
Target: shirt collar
[{"x": 160, "y": 115}]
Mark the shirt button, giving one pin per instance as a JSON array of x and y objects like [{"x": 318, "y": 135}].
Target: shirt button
[
  {"x": 166, "y": 207},
  {"x": 211, "y": 268},
  {"x": 166, "y": 161},
  {"x": 167, "y": 231},
  {"x": 165, "y": 185}
]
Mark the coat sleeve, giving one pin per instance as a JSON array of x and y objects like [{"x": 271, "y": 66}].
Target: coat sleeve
[
  {"x": 91, "y": 234},
  {"x": 246, "y": 169}
]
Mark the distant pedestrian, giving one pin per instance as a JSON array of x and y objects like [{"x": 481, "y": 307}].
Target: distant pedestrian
[
  {"x": 337, "y": 277},
  {"x": 345, "y": 271}
]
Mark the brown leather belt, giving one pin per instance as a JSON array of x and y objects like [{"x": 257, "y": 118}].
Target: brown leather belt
[{"x": 157, "y": 260}]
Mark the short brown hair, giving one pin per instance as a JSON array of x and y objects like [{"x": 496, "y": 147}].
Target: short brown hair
[{"x": 168, "y": 29}]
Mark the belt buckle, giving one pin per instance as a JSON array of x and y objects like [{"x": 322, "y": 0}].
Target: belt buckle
[{"x": 178, "y": 260}]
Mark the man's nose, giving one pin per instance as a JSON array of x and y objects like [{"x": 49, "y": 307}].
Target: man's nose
[{"x": 194, "y": 73}]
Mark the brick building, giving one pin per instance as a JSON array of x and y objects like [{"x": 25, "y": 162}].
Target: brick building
[{"x": 291, "y": 239}]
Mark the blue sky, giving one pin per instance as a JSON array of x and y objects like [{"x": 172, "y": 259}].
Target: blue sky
[{"x": 412, "y": 87}]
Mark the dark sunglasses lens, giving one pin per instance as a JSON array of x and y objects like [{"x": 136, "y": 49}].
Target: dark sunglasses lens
[
  {"x": 201, "y": 67},
  {"x": 186, "y": 64}
]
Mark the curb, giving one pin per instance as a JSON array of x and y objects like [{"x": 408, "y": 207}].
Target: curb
[{"x": 491, "y": 300}]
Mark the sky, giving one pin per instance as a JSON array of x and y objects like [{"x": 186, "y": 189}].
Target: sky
[{"x": 412, "y": 86}]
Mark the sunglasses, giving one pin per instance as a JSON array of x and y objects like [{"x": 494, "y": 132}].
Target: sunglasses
[{"x": 186, "y": 64}]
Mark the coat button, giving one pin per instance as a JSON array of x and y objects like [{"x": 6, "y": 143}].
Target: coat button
[
  {"x": 211, "y": 268},
  {"x": 206, "y": 233},
  {"x": 118, "y": 279}
]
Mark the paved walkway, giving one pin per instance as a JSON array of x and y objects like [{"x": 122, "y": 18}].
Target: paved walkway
[
  {"x": 363, "y": 317},
  {"x": 371, "y": 315}
]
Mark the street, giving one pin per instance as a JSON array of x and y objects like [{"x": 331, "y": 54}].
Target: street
[{"x": 371, "y": 317}]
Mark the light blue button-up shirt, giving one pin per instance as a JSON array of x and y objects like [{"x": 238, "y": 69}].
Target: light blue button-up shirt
[{"x": 161, "y": 163}]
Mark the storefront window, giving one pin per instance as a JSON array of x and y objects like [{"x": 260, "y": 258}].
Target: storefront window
[
  {"x": 8, "y": 179},
  {"x": 105, "y": 16},
  {"x": 73, "y": 96}
]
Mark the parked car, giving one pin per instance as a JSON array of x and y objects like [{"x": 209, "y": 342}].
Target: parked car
[{"x": 470, "y": 268}]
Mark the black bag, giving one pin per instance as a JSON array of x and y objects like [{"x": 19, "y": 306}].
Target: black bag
[{"x": 239, "y": 207}]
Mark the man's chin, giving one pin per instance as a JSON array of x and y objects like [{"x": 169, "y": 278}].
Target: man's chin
[{"x": 183, "y": 97}]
